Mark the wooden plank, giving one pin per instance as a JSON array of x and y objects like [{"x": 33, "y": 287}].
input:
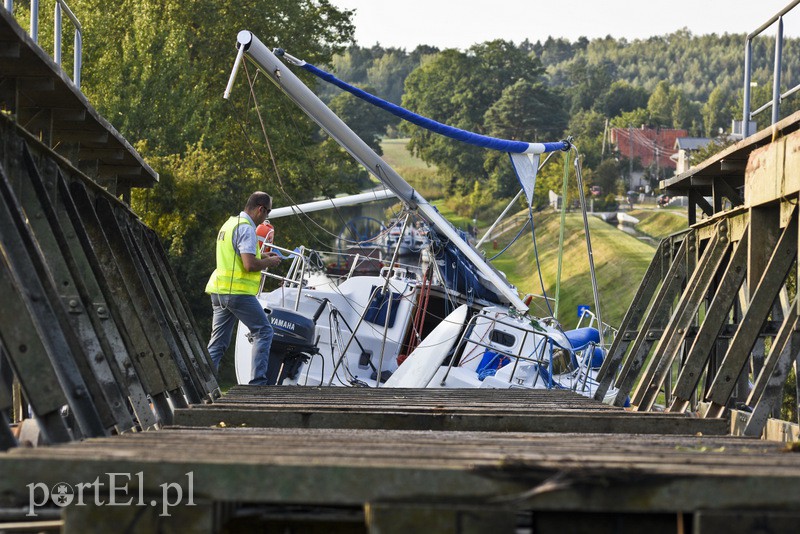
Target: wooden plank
[
  {"x": 40, "y": 321},
  {"x": 579, "y": 472},
  {"x": 79, "y": 209},
  {"x": 91, "y": 276},
  {"x": 95, "y": 357},
  {"x": 127, "y": 298},
  {"x": 439, "y": 419},
  {"x": 145, "y": 301},
  {"x": 399, "y": 397},
  {"x": 767, "y": 394},
  {"x": 148, "y": 240},
  {"x": 196, "y": 362}
]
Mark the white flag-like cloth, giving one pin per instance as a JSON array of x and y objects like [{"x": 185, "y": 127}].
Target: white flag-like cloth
[{"x": 526, "y": 166}]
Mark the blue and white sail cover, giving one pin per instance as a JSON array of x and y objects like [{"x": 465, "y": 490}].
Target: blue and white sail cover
[
  {"x": 526, "y": 166},
  {"x": 524, "y": 156}
]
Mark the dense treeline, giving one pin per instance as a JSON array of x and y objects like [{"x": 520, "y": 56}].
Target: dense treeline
[{"x": 546, "y": 90}]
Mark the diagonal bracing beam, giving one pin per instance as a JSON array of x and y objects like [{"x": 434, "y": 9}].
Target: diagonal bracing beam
[
  {"x": 769, "y": 286},
  {"x": 767, "y": 393},
  {"x": 674, "y": 335},
  {"x": 630, "y": 323},
  {"x": 656, "y": 319},
  {"x": 716, "y": 317}
]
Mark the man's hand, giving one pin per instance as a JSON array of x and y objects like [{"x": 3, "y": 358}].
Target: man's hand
[
  {"x": 272, "y": 259},
  {"x": 251, "y": 263}
]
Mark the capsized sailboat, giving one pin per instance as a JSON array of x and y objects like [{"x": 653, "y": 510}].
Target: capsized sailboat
[{"x": 452, "y": 320}]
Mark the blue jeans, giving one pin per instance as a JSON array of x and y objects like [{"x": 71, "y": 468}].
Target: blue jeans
[{"x": 247, "y": 309}]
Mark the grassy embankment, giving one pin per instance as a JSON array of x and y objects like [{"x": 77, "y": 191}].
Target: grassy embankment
[
  {"x": 620, "y": 262},
  {"x": 659, "y": 223},
  {"x": 620, "y": 259}
]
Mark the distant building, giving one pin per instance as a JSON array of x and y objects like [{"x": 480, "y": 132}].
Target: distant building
[
  {"x": 651, "y": 146},
  {"x": 684, "y": 147}
]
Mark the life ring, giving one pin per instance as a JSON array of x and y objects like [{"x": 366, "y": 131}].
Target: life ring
[{"x": 265, "y": 233}]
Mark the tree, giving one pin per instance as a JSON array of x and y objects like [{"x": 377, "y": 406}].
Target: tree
[
  {"x": 685, "y": 113},
  {"x": 588, "y": 82},
  {"x": 621, "y": 96},
  {"x": 636, "y": 118},
  {"x": 458, "y": 88},
  {"x": 608, "y": 176},
  {"x": 367, "y": 121},
  {"x": 660, "y": 104},
  {"x": 441, "y": 89},
  {"x": 526, "y": 111},
  {"x": 714, "y": 116}
]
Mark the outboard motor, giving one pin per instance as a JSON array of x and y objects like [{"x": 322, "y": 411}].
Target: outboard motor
[{"x": 293, "y": 342}]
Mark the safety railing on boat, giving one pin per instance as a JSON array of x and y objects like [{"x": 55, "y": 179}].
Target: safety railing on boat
[
  {"x": 777, "y": 97},
  {"x": 540, "y": 355},
  {"x": 295, "y": 274},
  {"x": 609, "y": 332},
  {"x": 60, "y": 8}
]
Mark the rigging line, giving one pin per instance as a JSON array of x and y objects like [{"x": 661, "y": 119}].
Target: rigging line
[
  {"x": 561, "y": 232},
  {"x": 336, "y": 209},
  {"x": 263, "y": 127},
  {"x": 538, "y": 264},
  {"x": 257, "y": 154},
  {"x": 310, "y": 160},
  {"x": 281, "y": 187},
  {"x": 524, "y": 226}
]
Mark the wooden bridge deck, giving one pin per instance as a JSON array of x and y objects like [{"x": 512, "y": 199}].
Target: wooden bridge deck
[
  {"x": 497, "y": 474},
  {"x": 255, "y": 446},
  {"x": 513, "y": 410}
]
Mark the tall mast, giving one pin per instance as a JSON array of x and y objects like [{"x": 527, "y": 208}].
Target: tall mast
[{"x": 301, "y": 95}]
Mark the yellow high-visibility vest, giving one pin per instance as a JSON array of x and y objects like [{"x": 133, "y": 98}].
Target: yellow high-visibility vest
[{"x": 230, "y": 276}]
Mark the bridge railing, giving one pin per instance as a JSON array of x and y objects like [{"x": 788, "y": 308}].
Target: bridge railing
[
  {"x": 777, "y": 97},
  {"x": 61, "y": 7}
]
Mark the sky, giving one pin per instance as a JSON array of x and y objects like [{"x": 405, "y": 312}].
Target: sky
[{"x": 462, "y": 23}]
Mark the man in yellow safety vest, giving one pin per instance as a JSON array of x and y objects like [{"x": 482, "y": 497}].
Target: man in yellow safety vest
[{"x": 234, "y": 284}]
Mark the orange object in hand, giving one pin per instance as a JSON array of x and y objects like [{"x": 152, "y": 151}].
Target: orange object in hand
[{"x": 265, "y": 233}]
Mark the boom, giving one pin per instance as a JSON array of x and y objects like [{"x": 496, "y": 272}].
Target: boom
[{"x": 301, "y": 95}]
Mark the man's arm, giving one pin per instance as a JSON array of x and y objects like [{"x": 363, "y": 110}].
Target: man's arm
[{"x": 251, "y": 263}]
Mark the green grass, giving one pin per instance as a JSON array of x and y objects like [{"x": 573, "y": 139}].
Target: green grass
[
  {"x": 420, "y": 175},
  {"x": 459, "y": 221},
  {"x": 397, "y": 155},
  {"x": 620, "y": 262},
  {"x": 658, "y": 224}
]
